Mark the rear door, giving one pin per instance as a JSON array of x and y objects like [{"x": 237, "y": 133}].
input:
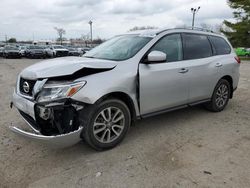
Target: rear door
[
  {"x": 225, "y": 58},
  {"x": 203, "y": 66},
  {"x": 164, "y": 85}
]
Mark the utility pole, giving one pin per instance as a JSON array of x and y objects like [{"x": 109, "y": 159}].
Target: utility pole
[
  {"x": 194, "y": 11},
  {"x": 90, "y": 24},
  {"x": 6, "y": 39}
]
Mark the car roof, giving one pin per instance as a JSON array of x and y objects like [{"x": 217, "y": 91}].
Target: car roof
[{"x": 154, "y": 32}]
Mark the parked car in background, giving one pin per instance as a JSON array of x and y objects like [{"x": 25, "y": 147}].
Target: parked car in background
[
  {"x": 11, "y": 52},
  {"x": 35, "y": 51},
  {"x": 129, "y": 77},
  {"x": 84, "y": 50},
  {"x": 49, "y": 51},
  {"x": 56, "y": 51},
  {"x": 1, "y": 51},
  {"x": 74, "y": 51},
  {"x": 242, "y": 52},
  {"x": 22, "y": 50}
]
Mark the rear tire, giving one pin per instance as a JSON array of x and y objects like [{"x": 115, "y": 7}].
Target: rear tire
[
  {"x": 220, "y": 96},
  {"x": 106, "y": 124}
]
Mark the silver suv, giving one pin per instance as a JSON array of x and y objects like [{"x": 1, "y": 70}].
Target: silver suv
[{"x": 132, "y": 76}]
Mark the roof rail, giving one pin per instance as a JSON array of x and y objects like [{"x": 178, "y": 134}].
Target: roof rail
[
  {"x": 200, "y": 29},
  {"x": 189, "y": 28}
]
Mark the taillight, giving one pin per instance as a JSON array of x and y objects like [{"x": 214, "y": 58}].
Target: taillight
[{"x": 237, "y": 59}]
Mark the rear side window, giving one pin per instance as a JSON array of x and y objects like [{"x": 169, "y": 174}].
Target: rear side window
[
  {"x": 220, "y": 45},
  {"x": 196, "y": 46}
]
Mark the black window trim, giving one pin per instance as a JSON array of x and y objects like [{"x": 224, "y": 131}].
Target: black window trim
[
  {"x": 212, "y": 45},
  {"x": 183, "y": 49}
]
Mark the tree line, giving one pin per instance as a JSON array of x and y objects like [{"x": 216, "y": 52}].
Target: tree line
[{"x": 239, "y": 32}]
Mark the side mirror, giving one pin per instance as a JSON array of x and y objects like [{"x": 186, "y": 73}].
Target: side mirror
[{"x": 157, "y": 56}]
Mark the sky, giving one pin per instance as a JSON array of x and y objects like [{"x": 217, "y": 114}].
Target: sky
[{"x": 36, "y": 19}]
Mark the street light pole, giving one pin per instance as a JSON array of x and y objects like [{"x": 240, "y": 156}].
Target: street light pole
[
  {"x": 90, "y": 24},
  {"x": 194, "y": 11}
]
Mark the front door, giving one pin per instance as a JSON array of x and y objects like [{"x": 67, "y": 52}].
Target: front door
[{"x": 164, "y": 85}]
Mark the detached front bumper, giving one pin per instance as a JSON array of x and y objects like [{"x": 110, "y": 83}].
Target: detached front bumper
[
  {"x": 27, "y": 111},
  {"x": 59, "y": 141}
]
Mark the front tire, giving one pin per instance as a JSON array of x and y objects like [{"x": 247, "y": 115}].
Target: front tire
[
  {"x": 106, "y": 124},
  {"x": 220, "y": 96}
]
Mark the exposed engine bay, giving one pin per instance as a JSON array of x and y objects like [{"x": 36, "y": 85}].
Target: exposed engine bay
[{"x": 58, "y": 117}]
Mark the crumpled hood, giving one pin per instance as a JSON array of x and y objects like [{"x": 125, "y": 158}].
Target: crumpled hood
[{"x": 63, "y": 67}]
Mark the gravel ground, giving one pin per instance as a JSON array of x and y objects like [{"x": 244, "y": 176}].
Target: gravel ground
[{"x": 186, "y": 148}]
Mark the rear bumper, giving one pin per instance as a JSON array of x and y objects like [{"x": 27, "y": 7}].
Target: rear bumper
[{"x": 26, "y": 109}]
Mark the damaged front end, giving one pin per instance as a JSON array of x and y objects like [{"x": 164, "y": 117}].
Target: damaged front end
[
  {"x": 58, "y": 117},
  {"x": 43, "y": 96},
  {"x": 49, "y": 111}
]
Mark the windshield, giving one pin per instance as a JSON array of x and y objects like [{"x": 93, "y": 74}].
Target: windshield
[
  {"x": 119, "y": 48},
  {"x": 11, "y": 48},
  {"x": 35, "y": 47},
  {"x": 58, "y": 47}
]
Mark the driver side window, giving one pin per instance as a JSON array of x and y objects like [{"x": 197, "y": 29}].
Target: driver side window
[{"x": 170, "y": 45}]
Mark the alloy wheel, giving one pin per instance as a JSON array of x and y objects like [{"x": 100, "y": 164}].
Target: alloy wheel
[
  {"x": 222, "y": 95},
  {"x": 109, "y": 124}
]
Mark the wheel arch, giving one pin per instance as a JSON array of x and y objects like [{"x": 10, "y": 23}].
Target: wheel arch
[
  {"x": 230, "y": 80},
  {"x": 124, "y": 98}
]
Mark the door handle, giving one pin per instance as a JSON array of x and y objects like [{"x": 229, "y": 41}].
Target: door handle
[
  {"x": 218, "y": 64},
  {"x": 183, "y": 70}
]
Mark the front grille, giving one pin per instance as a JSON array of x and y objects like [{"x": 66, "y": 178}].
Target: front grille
[
  {"x": 61, "y": 53},
  {"x": 38, "y": 52},
  {"x": 29, "y": 89},
  {"x": 13, "y": 53}
]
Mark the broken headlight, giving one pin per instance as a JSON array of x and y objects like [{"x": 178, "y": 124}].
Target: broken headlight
[{"x": 52, "y": 92}]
